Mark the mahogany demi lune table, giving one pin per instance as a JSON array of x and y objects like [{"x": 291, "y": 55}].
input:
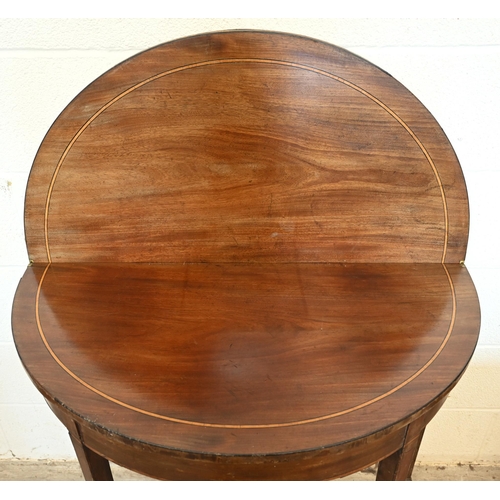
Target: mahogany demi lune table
[{"x": 246, "y": 263}]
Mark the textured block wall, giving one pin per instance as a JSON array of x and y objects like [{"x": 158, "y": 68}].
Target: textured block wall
[{"x": 451, "y": 65}]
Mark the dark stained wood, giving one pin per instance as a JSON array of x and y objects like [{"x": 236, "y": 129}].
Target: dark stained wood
[
  {"x": 246, "y": 253},
  {"x": 246, "y": 359},
  {"x": 94, "y": 466},
  {"x": 399, "y": 465},
  {"x": 246, "y": 147}
]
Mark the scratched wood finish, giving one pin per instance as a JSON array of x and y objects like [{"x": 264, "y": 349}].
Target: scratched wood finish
[
  {"x": 246, "y": 147},
  {"x": 246, "y": 253}
]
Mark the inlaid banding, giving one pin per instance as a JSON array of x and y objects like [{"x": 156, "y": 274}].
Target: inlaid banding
[{"x": 339, "y": 79}]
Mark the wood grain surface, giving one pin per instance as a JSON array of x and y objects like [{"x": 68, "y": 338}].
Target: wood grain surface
[
  {"x": 243, "y": 148},
  {"x": 246, "y": 264},
  {"x": 260, "y": 349}
]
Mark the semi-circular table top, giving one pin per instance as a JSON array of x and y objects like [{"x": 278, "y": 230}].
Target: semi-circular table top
[
  {"x": 245, "y": 358},
  {"x": 245, "y": 244}
]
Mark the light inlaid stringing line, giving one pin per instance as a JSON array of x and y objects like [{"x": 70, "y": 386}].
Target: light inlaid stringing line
[
  {"x": 240, "y": 60},
  {"x": 247, "y": 426}
]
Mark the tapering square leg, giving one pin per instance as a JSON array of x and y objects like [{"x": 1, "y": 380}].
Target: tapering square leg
[
  {"x": 399, "y": 465},
  {"x": 94, "y": 467}
]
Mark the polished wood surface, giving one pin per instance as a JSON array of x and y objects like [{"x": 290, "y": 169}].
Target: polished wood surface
[
  {"x": 147, "y": 163},
  {"x": 246, "y": 264},
  {"x": 304, "y": 353}
]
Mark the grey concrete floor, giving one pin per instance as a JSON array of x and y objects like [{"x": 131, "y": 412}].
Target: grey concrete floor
[{"x": 45, "y": 470}]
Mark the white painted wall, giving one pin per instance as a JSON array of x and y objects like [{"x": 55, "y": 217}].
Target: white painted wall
[{"x": 451, "y": 65}]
